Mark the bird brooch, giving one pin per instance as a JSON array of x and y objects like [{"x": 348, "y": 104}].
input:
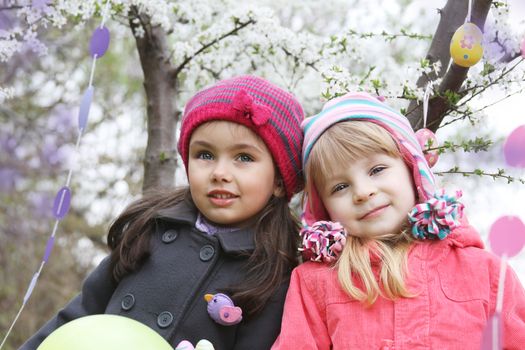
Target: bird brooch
[{"x": 222, "y": 310}]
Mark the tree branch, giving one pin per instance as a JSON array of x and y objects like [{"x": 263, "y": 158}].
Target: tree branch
[
  {"x": 452, "y": 16},
  {"x": 14, "y": 7},
  {"x": 479, "y": 172},
  {"x": 234, "y": 31}
]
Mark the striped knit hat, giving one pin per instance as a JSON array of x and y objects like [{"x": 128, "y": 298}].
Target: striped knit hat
[
  {"x": 362, "y": 106},
  {"x": 269, "y": 111}
]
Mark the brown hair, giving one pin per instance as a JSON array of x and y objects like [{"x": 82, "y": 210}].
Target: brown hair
[
  {"x": 270, "y": 264},
  {"x": 343, "y": 143}
]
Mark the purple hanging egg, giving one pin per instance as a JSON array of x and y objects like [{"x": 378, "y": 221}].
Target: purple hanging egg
[
  {"x": 514, "y": 148},
  {"x": 85, "y": 104},
  {"x": 49, "y": 248},
  {"x": 99, "y": 42},
  {"x": 61, "y": 204}
]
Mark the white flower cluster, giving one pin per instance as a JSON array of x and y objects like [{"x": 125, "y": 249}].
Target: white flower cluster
[
  {"x": 8, "y": 47},
  {"x": 30, "y": 19},
  {"x": 6, "y": 93},
  {"x": 498, "y": 37},
  {"x": 337, "y": 81},
  {"x": 335, "y": 48}
]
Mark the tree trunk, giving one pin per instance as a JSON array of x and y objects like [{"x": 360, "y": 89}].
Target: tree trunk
[
  {"x": 452, "y": 16},
  {"x": 160, "y": 86}
]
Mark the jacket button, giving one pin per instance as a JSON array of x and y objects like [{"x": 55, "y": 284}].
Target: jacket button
[
  {"x": 164, "y": 319},
  {"x": 127, "y": 302},
  {"x": 206, "y": 253},
  {"x": 169, "y": 236}
]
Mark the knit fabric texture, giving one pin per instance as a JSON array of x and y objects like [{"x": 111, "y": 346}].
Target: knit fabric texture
[
  {"x": 363, "y": 106},
  {"x": 270, "y": 112}
]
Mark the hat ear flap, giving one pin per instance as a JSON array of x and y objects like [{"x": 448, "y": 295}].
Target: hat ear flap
[{"x": 313, "y": 209}]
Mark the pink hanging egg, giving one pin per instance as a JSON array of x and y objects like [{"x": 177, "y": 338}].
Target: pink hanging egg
[
  {"x": 507, "y": 236},
  {"x": 427, "y": 139}
]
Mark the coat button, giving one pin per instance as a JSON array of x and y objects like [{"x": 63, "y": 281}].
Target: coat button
[
  {"x": 164, "y": 319},
  {"x": 127, "y": 302},
  {"x": 169, "y": 236},
  {"x": 206, "y": 253}
]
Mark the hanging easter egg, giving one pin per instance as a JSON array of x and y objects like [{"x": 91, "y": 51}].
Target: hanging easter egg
[
  {"x": 465, "y": 47},
  {"x": 85, "y": 105},
  {"x": 514, "y": 148},
  {"x": 507, "y": 236},
  {"x": 49, "y": 248},
  {"x": 61, "y": 203},
  {"x": 427, "y": 139},
  {"x": 31, "y": 286},
  {"x": 99, "y": 42}
]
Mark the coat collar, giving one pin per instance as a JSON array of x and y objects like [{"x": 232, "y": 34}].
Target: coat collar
[
  {"x": 435, "y": 251},
  {"x": 236, "y": 242}
]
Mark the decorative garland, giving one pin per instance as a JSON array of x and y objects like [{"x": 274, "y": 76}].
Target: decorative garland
[{"x": 98, "y": 46}]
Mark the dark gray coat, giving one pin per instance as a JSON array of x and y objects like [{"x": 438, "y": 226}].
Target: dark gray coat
[{"x": 167, "y": 292}]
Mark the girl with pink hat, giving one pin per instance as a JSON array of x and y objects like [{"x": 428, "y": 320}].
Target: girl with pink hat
[{"x": 211, "y": 260}]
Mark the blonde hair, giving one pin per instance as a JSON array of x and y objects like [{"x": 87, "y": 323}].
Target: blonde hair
[{"x": 343, "y": 143}]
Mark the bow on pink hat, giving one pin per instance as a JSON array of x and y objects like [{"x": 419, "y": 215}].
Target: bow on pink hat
[{"x": 246, "y": 107}]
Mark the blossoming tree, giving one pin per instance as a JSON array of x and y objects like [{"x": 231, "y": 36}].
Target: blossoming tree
[{"x": 162, "y": 51}]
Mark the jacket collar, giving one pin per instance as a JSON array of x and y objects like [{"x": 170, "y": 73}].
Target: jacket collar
[
  {"x": 465, "y": 236},
  {"x": 236, "y": 242},
  {"x": 435, "y": 251}
]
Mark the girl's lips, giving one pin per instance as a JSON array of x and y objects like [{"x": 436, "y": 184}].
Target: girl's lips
[
  {"x": 221, "y": 198},
  {"x": 374, "y": 212},
  {"x": 222, "y": 202}
]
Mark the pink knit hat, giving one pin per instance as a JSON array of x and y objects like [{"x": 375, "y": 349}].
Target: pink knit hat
[{"x": 269, "y": 111}]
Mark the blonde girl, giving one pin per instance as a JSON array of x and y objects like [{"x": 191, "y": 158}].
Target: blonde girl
[{"x": 395, "y": 263}]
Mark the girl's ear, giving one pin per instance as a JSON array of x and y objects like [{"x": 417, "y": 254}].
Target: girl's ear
[{"x": 278, "y": 188}]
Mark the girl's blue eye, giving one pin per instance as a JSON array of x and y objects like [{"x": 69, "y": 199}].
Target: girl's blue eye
[
  {"x": 339, "y": 187},
  {"x": 205, "y": 156},
  {"x": 245, "y": 158},
  {"x": 377, "y": 170}
]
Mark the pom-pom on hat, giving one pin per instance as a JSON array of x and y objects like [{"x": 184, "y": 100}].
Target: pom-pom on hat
[
  {"x": 269, "y": 111},
  {"x": 362, "y": 106}
]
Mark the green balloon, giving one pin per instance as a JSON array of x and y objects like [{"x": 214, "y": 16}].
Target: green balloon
[{"x": 104, "y": 332}]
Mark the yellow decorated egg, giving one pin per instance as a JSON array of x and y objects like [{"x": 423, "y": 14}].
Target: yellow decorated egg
[{"x": 465, "y": 47}]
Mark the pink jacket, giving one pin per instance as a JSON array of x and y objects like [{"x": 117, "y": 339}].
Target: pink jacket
[{"x": 456, "y": 283}]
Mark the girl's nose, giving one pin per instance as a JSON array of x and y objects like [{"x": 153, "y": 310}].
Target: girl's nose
[
  {"x": 221, "y": 172},
  {"x": 363, "y": 191}
]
